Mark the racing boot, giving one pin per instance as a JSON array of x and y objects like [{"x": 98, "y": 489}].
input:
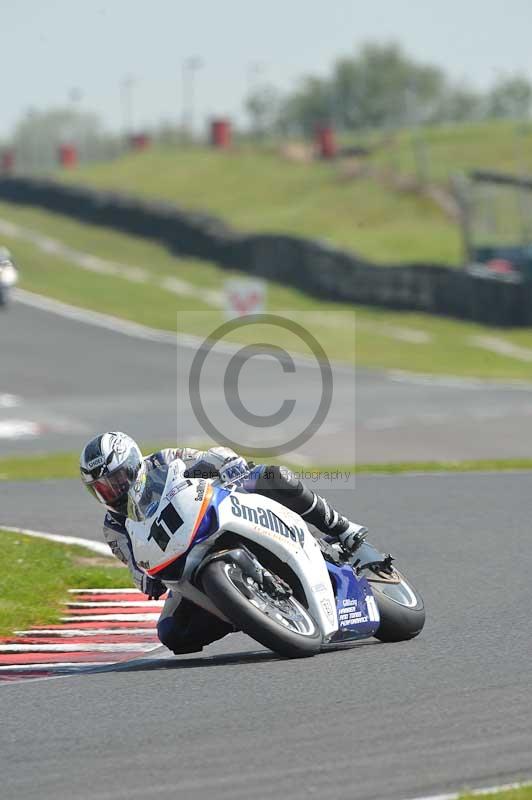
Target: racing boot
[
  {"x": 327, "y": 520},
  {"x": 283, "y": 486}
]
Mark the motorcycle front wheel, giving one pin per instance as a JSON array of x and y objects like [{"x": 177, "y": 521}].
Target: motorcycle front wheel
[
  {"x": 281, "y": 624},
  {"x": 400, "y": 605}
]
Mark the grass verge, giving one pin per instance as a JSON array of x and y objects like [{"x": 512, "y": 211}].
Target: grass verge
[
  {"x": 522, "y": 793},
  {"x": 65, "y": 465},
  {"x": 257, "y": 190},
  {"x": 366, "y": 336},
  {"x": 496, "y": 145},
  {"x": 39, "y": 576},
  {"x": 47, "y": 466}
]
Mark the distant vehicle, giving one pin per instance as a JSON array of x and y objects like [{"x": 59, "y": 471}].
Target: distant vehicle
[
  {"x": 8, "y": 275},
  {"x": 497, "y": 226}
]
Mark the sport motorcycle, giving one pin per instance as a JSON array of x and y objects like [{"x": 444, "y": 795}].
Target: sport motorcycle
[
  {"x": 255, "y": 564},
  {"x": 8, "y": 276}
]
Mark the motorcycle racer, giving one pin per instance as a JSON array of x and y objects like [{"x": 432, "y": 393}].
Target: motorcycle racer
[
  {"x": 8, "y": 275},
  {"x": 112, "y": 468}
]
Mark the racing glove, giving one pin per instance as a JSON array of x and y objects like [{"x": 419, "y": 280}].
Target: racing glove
[
  {"x": 218, "y": 461},
  {"x": 153, "y": 587},
  {"x": 232, "y": 469}
]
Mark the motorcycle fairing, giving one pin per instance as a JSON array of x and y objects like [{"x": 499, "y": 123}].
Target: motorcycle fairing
[
  {"x": 191, "y": 515},
  {"x": 169, "y": 532},
  {"x": 268, "y": 523},
  {"x": 358, "y": 615}
]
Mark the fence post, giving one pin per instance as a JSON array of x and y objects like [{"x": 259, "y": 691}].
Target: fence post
[
  {"x": 221, "y": 133},
  {"x": 8, "y": 162},
  {"x": 326, "y": 142},
  {"x": 68, "y": 155}
]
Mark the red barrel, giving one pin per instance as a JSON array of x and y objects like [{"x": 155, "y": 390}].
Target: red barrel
[
  {"x": 8, "y": 161},
  {"x": 326, "y": 141},
  {"x": 139, "y": 141},
  {"x": 68, "y": 155},
  {"x": 221, "y": 133}
]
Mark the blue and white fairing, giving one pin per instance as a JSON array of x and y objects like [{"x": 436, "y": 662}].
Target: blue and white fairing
[
  {"x": 266, "y": 522},
  {"x": 350, "y": 611},
  {"x": 356, "y": 608},
  {"x": 185, "y": 517}
]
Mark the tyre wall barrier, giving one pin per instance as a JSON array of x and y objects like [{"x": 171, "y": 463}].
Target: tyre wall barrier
[{"x": 312, "y": 266}]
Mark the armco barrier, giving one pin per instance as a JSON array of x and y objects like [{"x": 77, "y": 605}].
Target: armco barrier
[{"x": 312, "y": 266}]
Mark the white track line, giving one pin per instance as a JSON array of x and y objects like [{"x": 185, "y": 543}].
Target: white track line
[
  {"x": 19, "y": 428},
  {"x": 190, "y": 341},
  {"x": 99, "y": 320},
  {"x": 119, "y": 604},
  {"x": 112, "y": 618},
  {"x": 105, "y": 591},
  {"x": 502, "y": 347},
  {"x": 9, "y": 400},
  {"x": 102, "y": 266},
  {"x": 124, "y": 647},
  {"x": 123, "y": 326},
  {"x": 88, "y": 632},
  {"x": 137, "y": 331},
  {"x": 489, "y": 790},
  {"x": 455, "y": 381},
  {"x": 96, "y": 547},
  {"x": 57, "y": 665}
]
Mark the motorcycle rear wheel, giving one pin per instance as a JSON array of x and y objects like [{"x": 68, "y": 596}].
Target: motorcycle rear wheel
[{"x": 282, "y": 625}]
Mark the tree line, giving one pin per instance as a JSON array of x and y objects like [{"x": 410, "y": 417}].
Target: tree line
[
  {"x": 378, "y": 87},
  {"x": 382, "y": 87}
]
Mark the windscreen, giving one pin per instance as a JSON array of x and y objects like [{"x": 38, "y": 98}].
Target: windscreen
[{"x": 144, "y": 498}]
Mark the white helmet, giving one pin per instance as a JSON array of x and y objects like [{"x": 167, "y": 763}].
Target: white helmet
[{"x": 109, "y": 465}]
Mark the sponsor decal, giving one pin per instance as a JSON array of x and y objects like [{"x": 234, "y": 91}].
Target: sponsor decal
[
  {"x": 118, "y": 445},
  {"x": 327, "y": 607},
  {"x": 266, "y": 519},
  {"x": 152, "y": 508},
  {"x": 373, "y": 610},
  {"x": 178, "y": 488},
  {"x": 99, "y": 461},
  {"x": 143, "y": 564},
  {"x": 202, "y": 485},
  {"x": 355, "y": 618},
  {"x": 350, "y": 614},
  {"x": 234, "y": 469},
  {"x": 139, "y": 483},
  {"x": 117, "y": 551}
]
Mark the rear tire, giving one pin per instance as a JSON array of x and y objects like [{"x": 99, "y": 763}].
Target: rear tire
[{"x": 221, "y": 581}]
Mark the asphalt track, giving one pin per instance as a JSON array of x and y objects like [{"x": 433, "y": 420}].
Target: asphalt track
[
  {"x": 449, "y": 709},
  {"x": 62, "y": 381}
]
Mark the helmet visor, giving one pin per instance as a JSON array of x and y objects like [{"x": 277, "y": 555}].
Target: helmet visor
[{"x": 110, "y": 488}]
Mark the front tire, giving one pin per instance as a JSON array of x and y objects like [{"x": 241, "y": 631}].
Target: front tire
[
  {"x": 284, "y": 626},
  {"x": 401, "y": 608}
]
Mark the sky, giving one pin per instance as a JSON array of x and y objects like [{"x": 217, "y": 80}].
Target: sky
[{"x": 50, "y": 47}]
